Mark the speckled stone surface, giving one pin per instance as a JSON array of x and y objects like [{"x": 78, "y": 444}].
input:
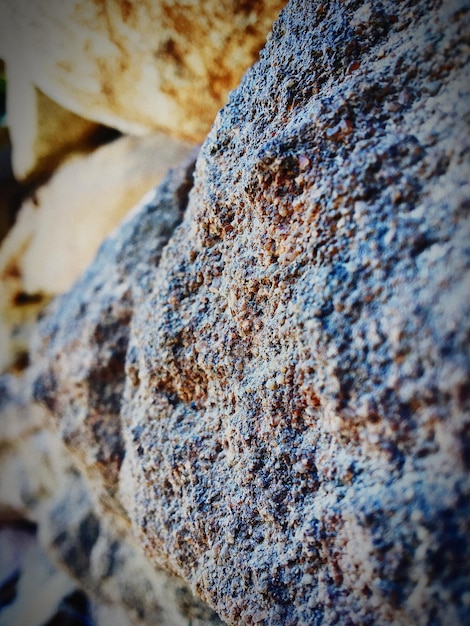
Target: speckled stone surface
[
  {"x": 294, "y": 410},
  {"x": 62, "y": 560},
  {"x": 85, "y": 335}
]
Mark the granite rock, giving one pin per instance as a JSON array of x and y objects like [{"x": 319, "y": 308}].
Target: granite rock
[
  {"x": 60, "y": 554},
  {"x": 278, "y": 398}
]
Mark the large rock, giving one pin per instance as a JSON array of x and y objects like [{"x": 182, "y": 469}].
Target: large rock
[{"x": 279, "y": 400}]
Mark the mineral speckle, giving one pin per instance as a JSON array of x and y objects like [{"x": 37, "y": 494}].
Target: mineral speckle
[{"x": 293, "y": 384}]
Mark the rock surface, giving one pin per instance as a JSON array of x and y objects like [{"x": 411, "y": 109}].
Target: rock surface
[
  {"x": 278, "y": 398},
  {"x": 109, "y": 290},
  {"x": 39, "y": 481}
]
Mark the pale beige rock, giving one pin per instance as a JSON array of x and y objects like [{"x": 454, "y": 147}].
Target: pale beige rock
[
  {"x": 137, "y": 65},
  {"x": 39, "y": 592},
  {"x": 59, "y": 230},
  {"x": 85, "y": 201},
  {"x": 41, "y": 131}
]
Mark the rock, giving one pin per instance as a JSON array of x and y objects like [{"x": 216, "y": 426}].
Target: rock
[
  {"x": 63, "y": 225},
  {"x": 40, "y": 590},
  {"x": 40, "y": 483},
  {"x": 278, "y": 400},
  {"x": 111, "y": 567},
  {"x": 103, "y": 323},
  {"x": 41, "y": 131},
  {"x": 59, "y": 229},
  {"x": 136, "y": 66}
]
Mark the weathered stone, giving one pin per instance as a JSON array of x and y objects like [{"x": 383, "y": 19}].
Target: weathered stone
[
  {"x": 99, "y": 322},
  {"x": 110, "y": 566},
  {"x": 136, "y": 65},
  {"x": 280, "y": 402},
  {"x": 39, "y": 483},
  {"x": 59, "y": 230}
]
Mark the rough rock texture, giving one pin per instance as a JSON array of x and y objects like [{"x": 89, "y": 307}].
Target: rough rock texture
[
  {"x": 281, "y": 407},
  {"x": 97, "y": 313},
  {"x": 39, "y": 481},
  {"x": 135, "y": 65},
  {"x": 60, "y": 227}
]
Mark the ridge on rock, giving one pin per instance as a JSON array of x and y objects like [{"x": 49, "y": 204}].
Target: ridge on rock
[
  {"x": 93, "y": 321},
  {"x": 294, "y": 410}
]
